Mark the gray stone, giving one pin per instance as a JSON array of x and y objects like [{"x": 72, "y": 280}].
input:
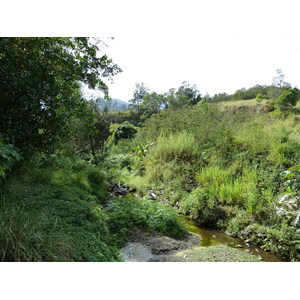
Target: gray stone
[
  {"x": 287, "y": 204},
  {"x": 296, "y": 222},
  {"x": 153, "y": 196}
]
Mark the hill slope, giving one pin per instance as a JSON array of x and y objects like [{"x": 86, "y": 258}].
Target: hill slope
[{"x": 113, "y": 105}]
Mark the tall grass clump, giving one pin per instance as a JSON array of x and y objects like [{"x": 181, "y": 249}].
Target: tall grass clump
[
  {"x": 213, "y": 176},
  {"x": 171, "y": 160},
  {"x": 180, "y": 147}
]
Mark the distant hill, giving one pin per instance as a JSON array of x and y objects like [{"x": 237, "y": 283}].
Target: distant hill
[{"x": 113, "y": 105}]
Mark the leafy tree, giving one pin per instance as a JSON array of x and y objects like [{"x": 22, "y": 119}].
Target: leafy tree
[
  {"x": 278, "y": 85},
  {"x": 288, "y": 98},
  {"x": 279, "y": 80},
  {"x": 207, "y": 98},
  {"x": 239, "y": 94},
  {"x": 139, "y": 92},
  {"x": 40, "y": 87},
  {"x": 153, "y": 102},
  {"x": 184, "y": 96},
  {"x": 220, "y": 97},
  {"x": 191, "y": 91},
  {"x": 8, "y": 156},
  {"x": 259, "y": 98}
]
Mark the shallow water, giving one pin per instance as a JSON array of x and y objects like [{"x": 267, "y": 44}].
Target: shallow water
[{"x": 210, "y": 237}]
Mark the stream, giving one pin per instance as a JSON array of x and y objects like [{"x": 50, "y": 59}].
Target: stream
[
  {"x": 150, "y": 247},
  {"x": 212, "y": 237},
  {"x": 140, "y": 250}
]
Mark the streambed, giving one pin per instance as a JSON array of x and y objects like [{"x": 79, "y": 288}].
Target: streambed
[
  {"x": 211, "y": 237},
  {"x": 201, "y": 244}
]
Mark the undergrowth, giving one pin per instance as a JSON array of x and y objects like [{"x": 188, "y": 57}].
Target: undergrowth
[{"x": 58, "y": 209}]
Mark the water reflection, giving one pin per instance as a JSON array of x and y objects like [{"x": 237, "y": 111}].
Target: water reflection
[{"x": 211, "y": 237}]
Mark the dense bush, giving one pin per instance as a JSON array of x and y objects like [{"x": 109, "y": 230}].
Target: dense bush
[
  {"x": 126, "y": 213},
  {"x": 202, "y": 206},
  {"x": 288, "y": 98},
  {"x": 120, "y": 132},
  {"x": 8, "y": 156}
]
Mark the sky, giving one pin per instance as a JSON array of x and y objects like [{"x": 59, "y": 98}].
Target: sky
[{"x": 220, "y": 46}]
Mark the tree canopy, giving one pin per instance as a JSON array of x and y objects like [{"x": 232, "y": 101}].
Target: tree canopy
[
  {"x": 288, "y": 98},
  {"x": 139, "y": 92},
  {"x": 40, "y": 86}
]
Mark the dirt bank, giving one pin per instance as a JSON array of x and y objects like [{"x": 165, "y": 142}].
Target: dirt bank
[
  {"x": 146, "y": 246},
  {"x": 151, "y": 247}
]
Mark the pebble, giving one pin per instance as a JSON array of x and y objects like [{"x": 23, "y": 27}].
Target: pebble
[{"x": 239, "y": 246}]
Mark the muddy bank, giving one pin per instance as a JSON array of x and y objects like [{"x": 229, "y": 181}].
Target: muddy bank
[
  {"x": 201, "y": 245},
  {"x": 218, "y": 253},
  {"x": 146, "y": 246},
  {"x": 151, "y": 247}
]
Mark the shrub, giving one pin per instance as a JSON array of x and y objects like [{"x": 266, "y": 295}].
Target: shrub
[
  {"x": 8, "y": 156},
  {"x": 126, "y": 213},
  {"x": 202, "y": 206},
  {"x": 239, "y": 222},
  {"x": 282, "y": 240},
  {"x": 124, "y": 131},
  {"x": 288, "y": 98},
  {"x": 270, "y": 104}
]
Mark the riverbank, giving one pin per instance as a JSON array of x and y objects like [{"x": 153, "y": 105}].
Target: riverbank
[{"x": 145, "y": 246}]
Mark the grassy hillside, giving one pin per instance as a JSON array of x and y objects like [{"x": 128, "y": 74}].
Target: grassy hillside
[{"x": 229, "y": 166}]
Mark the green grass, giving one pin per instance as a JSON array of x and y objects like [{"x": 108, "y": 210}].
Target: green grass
[
  {"x": 218, "y": 254},
  {"x": 127, "y": 213},
  {"x": 53, "y": 210},
  {"x": 220, "y": 166},
  {"x": 241, "y": 103}
]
